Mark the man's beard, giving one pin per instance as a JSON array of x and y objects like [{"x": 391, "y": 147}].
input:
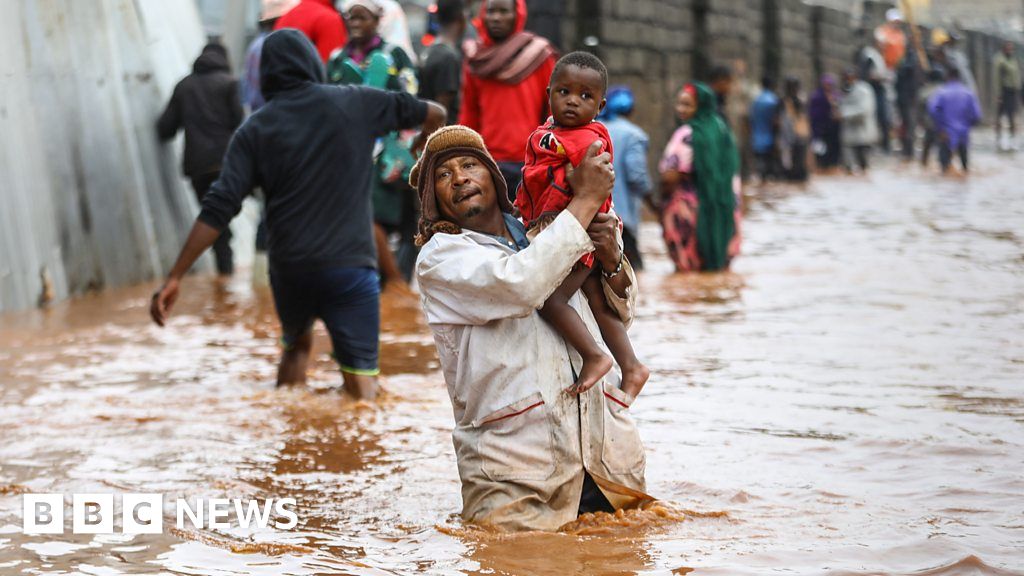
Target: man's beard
[{"x": 473, "y": 212}]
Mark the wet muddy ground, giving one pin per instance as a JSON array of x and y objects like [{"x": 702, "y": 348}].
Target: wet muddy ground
[{"x": 848, "y": 400}]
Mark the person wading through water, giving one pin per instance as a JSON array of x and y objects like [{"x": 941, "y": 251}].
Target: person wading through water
[
  {"x": 310, "y": 150},
  {"x": 531, "y": 455},
  {"x": 207, "y": 105},
  {"x": 700, "y": 211}
]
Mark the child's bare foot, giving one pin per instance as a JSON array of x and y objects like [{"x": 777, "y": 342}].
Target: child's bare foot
[
  {"x": 634, "y": 378},
  {"x": 594, "y": 368}
]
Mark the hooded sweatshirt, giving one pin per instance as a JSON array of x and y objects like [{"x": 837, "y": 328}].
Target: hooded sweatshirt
[
  {"x": 505, "y": 114},
  {"x": 310, "y": 149},
  {"x": 206, "y": 104}
]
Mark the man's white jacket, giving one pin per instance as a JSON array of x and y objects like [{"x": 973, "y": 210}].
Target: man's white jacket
[{"x": 521, "y": 441}]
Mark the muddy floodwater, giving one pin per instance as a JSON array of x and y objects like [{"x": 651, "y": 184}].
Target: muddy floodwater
[{"x": 848, "y": 400}]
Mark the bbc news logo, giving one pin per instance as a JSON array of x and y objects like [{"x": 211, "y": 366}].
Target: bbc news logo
[{"x": 144, "y": 513}]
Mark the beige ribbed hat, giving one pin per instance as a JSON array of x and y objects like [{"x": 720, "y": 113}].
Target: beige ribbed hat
[{"x": 442, "y": 145}]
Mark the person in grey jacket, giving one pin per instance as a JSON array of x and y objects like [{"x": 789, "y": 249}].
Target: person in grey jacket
[{"x": 860, "y": 125}]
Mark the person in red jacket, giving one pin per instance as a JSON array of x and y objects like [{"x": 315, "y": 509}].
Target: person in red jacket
[
  {"x": 504, "y": 81},
  {"x": 320, "y": 22}
]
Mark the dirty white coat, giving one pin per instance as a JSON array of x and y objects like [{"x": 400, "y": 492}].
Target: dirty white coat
[{"x": 522, "y": 443}]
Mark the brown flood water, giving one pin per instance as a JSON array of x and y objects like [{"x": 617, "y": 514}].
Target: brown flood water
[{"x": 847, "y": 401}]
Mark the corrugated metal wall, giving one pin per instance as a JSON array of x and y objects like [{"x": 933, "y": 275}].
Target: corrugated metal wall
[{"x": 88, "y": 197}]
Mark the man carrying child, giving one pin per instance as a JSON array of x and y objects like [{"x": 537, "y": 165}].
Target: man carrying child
[{"x": 535, "y": 446}]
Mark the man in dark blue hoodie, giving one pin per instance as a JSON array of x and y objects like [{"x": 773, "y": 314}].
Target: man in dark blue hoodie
[{"x": 310, "y": 150}]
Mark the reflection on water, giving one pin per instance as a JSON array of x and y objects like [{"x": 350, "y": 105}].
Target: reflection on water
[
  {"x": 561, "y": 554},
  {"x": 846, "y": 400}
]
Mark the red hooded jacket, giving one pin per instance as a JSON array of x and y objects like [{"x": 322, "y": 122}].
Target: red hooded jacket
[
  {"x": 545, "y": 191},
  {"x": 505, "y": 114},
  {"x": 320, "y": 22}
]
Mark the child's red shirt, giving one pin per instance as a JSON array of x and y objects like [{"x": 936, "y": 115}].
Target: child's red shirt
[{"x": 545, "y": 191}]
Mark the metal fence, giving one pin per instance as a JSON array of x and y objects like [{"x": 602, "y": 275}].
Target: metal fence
[{"x": 88, "y": 196}]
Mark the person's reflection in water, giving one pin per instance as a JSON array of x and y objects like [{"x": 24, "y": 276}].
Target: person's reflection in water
[
  {"x": 327, "y": 441},
  {"x": 562, "y": 554}
]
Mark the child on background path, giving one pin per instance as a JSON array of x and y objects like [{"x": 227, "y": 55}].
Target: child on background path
[{"x": 576, "y": 96}]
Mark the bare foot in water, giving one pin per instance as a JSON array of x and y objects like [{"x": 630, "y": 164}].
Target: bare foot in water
[
  {"x": 594, "y": 368},
  {"x": 634, "y": 378}
]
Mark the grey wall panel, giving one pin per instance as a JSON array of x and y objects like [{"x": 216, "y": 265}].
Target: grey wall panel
[{"x": 88, "y": 197}]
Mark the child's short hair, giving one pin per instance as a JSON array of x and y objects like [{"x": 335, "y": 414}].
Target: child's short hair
[{"x": 583, "y": 60}]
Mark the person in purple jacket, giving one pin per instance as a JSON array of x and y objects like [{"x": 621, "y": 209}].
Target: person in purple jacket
[{"x": 955, "y": 109}]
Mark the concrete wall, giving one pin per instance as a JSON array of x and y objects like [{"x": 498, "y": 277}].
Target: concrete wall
[
  {"x": 88, "y": 198},
  {"x": 796, "y": 37},
  {"x": 647, "y": 45},
  {"x": 656, "y": 45},
  {"x": 546, "y": 19},
  {"x": 833, "y": 39},
  {"x": 735, "y": 28}
]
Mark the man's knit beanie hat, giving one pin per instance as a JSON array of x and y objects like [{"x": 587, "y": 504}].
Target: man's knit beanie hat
[{"x": 441, "y": 145}]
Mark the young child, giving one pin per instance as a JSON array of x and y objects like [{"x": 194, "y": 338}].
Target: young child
[{"x": 576, "y": 96}]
